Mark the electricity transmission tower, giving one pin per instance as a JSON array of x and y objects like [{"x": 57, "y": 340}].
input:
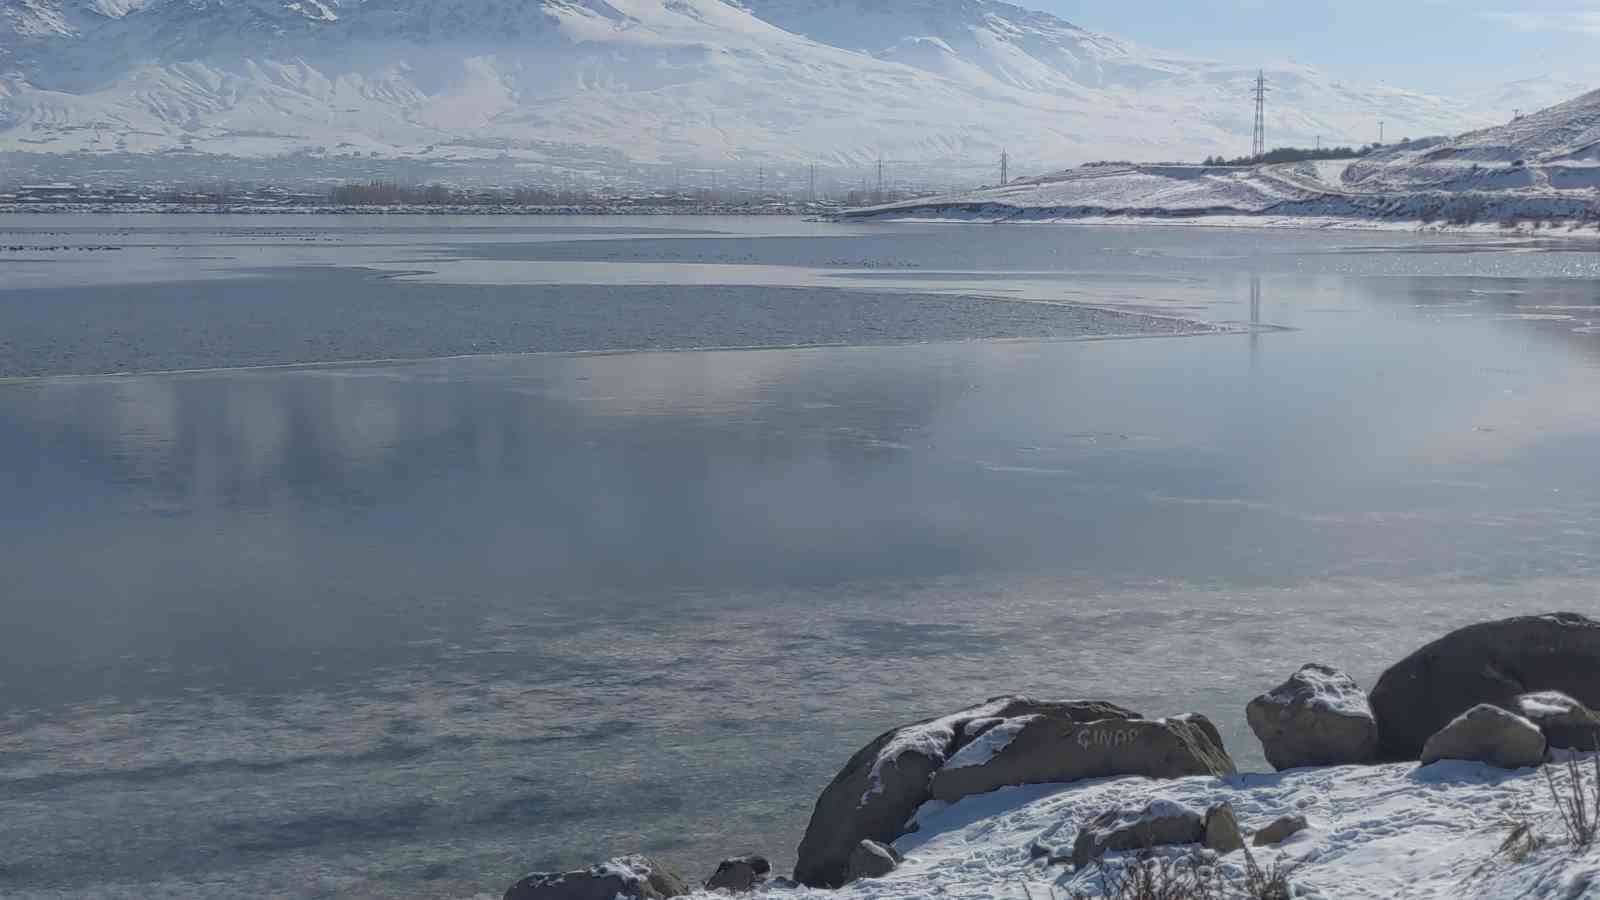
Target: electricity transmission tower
[
  {"x": 813, "y": 182},
  {"x": 1258, "y": 144},
  {"x": 880, "y": 179},
  {"x": 1005, "y": 168}
]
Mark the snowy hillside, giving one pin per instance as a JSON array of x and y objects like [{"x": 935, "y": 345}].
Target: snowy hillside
[
  {"x": 934, "y": 85},
  {"x": 1544, "y": 167}
]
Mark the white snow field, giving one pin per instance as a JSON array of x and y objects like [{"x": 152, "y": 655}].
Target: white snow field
[
  {"x": 933, "y": 85},
  {"x": 1540, "y": 169},
  {"x": 1376, "y": 833}
]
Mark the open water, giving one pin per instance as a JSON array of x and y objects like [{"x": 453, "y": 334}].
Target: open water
[{"x": 521, "y": 573}]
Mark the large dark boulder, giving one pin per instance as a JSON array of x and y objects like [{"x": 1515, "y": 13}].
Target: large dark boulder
[
  {"x": 1494, "y": 662},
  {"x": 877, "y": 791},
  {"x": 1490, "y": 735},
  {"x": 1048, "y": 750},
  {"x": 630, "y": 877},
  {"x": 1319, "y": 717}
]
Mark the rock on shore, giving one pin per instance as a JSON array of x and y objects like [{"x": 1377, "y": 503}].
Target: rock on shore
[
  {"x": 1319, "y": 717},
  {"x": 1494, "y": 663},
  {"x": 1007, "y": 741}
]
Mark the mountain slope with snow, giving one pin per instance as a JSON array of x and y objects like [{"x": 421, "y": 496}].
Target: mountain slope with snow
[
  {"x": 936, "y": 85},
  {"x": 1543, "y": 167}
]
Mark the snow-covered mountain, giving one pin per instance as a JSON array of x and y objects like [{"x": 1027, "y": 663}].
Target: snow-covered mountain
[{"x": 938, "y": 84}]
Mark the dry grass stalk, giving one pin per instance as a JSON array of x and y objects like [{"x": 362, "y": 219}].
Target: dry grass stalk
[
  {"x": 1270, "y": 883},
  {"x": 1521, "y": 843},
  {"x": 1579, "y": 804}
]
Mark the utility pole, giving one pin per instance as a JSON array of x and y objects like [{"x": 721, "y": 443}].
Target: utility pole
[
  {"x": 1005, "y": 168},
  {"x": 1258, "y": 142}
]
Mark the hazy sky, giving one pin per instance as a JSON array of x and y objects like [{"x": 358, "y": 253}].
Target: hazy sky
[{"x": 1426, "y": 44}]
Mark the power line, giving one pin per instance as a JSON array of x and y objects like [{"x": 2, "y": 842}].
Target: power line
[{"x": 1258, "y": 142}]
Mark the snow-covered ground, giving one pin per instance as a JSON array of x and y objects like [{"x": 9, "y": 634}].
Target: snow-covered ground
[
  {"x": 1540, "y": 169},
  {"x": 1378, "y": 832}
]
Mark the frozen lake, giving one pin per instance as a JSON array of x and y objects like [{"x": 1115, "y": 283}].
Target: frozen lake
[{"x": 519, "y": 599}]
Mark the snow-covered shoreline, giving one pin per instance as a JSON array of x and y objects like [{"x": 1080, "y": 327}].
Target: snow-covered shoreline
[
  {"x": 1378, "y": 832},
  {"x": 248, "y": 209},
  {"x": 1456, "y": 776},
  {"x": 1243, "y": 221}
]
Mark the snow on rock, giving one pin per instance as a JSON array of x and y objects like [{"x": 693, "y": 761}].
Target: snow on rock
[
  {"x": 1488, "y": 734},
  {"x": 996, "y": 737},
  {"x": 877, "y": 790},
  {"x": 1158, "y": 823},
  {"x": 1322, "y": 688},
  {"x": 1547, "y": 703},
  {"x": 1566, "y": 723},
  {"x": 739, "y": 875},
  {"x": 623, "y": 878},
  {"x": 1319, "y": 717},
  {"x": 871, "y": 859},
  {"x": 1057, "y": 748},
  {"x": 933, "y": 738}
]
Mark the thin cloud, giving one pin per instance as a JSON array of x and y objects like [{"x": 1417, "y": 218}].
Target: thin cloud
[{"x": 1573, "y": 21}]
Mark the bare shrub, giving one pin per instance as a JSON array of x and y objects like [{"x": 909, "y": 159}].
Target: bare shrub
[
  {"x": 1270, "y": 883},
  {"x": 1579, "y": 803},
  {"x": 1189, "y": 877}
]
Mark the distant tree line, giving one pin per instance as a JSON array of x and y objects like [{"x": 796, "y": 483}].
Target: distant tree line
[
  {"x": 1292, "y": 155},
  {"x": 1280, "y": 155},
  {"x": 392, "y": 193}
]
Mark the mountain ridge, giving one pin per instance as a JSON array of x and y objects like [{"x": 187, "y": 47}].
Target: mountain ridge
[{"x": 941, "y": 85}]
